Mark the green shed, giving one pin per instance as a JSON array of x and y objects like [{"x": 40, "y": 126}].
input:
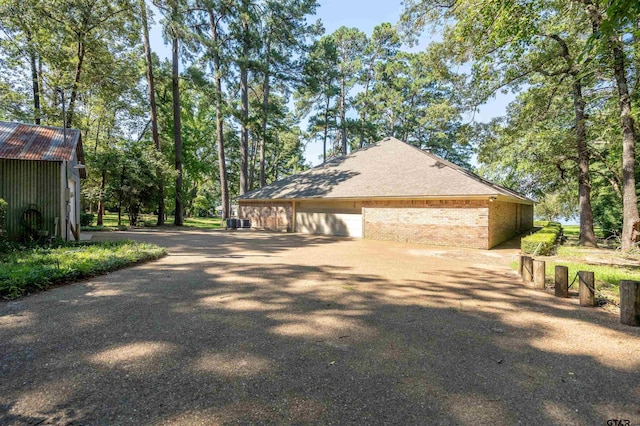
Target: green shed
[{"x": 40, "y": 172}]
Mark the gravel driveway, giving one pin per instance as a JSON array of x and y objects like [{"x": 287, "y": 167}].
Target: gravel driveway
[{"x": 263, "y": 328}]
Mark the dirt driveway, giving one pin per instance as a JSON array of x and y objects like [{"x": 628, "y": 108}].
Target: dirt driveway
[{"x": 258, "y": 328}]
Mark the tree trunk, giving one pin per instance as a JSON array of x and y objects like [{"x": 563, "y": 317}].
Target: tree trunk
[
  {"x": 326, "y": 130},
  {"x": 253, "y": 158},
  {"x": 363, "y": 117},
  {"x": 177, "y": 127},
  {"x": 265, "y": 113},
  {"x": 34, "y": 82},
  {"x": 244, "y": 94},
  {"x": 95, "y": 146},
  {"x": 365, "y": 104},
  {"x": 244, "y": 132},
  {"x": 629, "y": 196},
  {"x": 343, "y": 129},
  {"x": 103, "y": 183},
  {"x": 222, "y": 165},
  {"x": 76, "y": 80},
  {"x": 154, "y": 109},
  {"x": 40, "y": 83},
  {"x": 124, "y": 168},
  {"x": 587, "y": 235}
]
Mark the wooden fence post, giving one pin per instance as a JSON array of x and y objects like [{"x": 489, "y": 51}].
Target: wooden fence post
[
  {"x": 521, "y": 264},
  {"x": 527, "y": 269},
  {"x": 539, "y": 274},
  {"x": 562, "y": 281},
  {"x": 630, "y": 302},
  {"x": 587, "y": 289}
]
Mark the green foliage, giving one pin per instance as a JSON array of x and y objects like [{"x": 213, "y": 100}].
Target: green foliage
[
  {"x": 3, "y": 218},
  {"x": 26, "y": 270},
  {"x": 86, "y": 219},
  {"x": 562, "y": 135},
  {"x": 149, "y": 220},
  {"x": 202, "y": 206},
  {"x": 607, "y": 212},
  {"x": 555, "y": 206},
  {"x": 130, "y": 175},
  {"x": 406, "y": 95},
  {"x": 543, "y": 241}
]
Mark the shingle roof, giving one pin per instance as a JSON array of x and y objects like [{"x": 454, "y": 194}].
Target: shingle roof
[
  {"x": 31, "y": 142},
  {"x": 390, "y": 168}
]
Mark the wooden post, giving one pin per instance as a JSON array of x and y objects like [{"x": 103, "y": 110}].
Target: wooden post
[
  {"x": 562, "y": 281},
  {"x": 630, "y": 302},
  {"x": 587, "y": 289},
  {"x": 521, "y": 264},
  {"x": 538, "y": 274},
  {"x": 527, "y": 269}
]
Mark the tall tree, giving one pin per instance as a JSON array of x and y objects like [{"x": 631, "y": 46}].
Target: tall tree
[
  {"x": 242, "y": 31},
  {"x": 92, "y": 25},
  {"x": 215, "y": 49},
  {"x": 23, "y": 37},
  {"x": 174, "y": 14},
  {"x": 152, "y": 105},
  {"x": 510, "y": 43},
  {"x": 381, "y": 48},
  {"x": 284, "y": 35},
  {"x": 177, "y": 126},
  {"x": 319, "y": 88},
  {"x": 349, "y": 43},
  {"x": 610, "y": 23}
]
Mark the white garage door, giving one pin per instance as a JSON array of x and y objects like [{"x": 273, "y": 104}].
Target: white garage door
[{"x": 343, "y": 224}]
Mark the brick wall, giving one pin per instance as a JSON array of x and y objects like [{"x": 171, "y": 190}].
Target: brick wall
[
  {"x": 526, "y": 219},
  {"x": 273, "y": 216},
  {"x": 503, "y": 221},
  {"x": 462, "y": 223},
  {"x": 507, "y": 220}
]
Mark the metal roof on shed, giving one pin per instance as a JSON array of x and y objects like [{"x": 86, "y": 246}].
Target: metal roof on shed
[{"x": 20, "y": 141}]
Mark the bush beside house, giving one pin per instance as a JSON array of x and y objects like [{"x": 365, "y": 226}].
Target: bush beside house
[{"x": 543, "y": 241}]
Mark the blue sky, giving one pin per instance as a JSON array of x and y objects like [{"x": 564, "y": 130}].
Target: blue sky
[{"x": 364, "y": 15}]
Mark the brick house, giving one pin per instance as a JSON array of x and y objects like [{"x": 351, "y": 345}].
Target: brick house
[{"x": 391, "y": 191}]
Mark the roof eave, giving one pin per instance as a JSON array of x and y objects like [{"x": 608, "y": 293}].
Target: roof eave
[{"x": 488, "y": 197}]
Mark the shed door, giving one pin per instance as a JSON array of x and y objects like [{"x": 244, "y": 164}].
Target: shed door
[{"x": 340, "y": 224}]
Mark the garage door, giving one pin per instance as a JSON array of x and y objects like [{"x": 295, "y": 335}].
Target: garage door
[{"x": 343, "y": 224}]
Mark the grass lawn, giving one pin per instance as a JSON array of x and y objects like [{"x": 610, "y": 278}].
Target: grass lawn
[
  {"x": 608, "y": 265},
  {"x": 110, "y": 222},
  {"x": 607, "y": 277},
  {"x": 32, "y": 269},
  {"x": 573, "y": 231}
]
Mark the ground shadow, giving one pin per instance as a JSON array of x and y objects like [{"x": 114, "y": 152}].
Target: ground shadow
[{"x": 244, "y": 328}]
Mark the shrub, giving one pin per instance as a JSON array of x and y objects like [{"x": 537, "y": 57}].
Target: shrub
[
  {"x": 3, "y": 218},
  {"x": 543, "y": 241},
  {"x": 86, "y": 219},
  {"x": 32, "y": 269}
]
